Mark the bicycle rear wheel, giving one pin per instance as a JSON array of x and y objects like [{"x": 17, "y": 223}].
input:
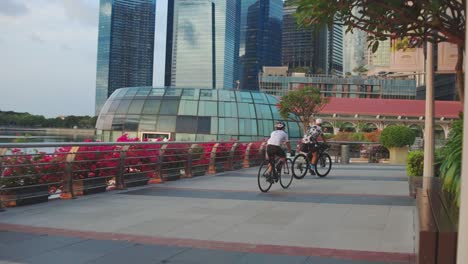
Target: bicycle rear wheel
[
  {"x": 286, "y": 175},
  {"x": 299, "y": 166},
  {"x": 324, "y": 165},
  {"x": 264, "y": 177}
]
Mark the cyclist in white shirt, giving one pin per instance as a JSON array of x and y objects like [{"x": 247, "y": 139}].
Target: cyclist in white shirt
[{"x": 277, "y": 138}]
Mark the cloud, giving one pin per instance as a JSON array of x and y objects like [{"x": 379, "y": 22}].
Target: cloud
[
  {"x": 12, "y": 8},
  {"x": 35, "y": 37},
  {"x": 81, "y": 11}
]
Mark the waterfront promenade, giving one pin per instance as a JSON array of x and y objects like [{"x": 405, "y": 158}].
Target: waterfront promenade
[{"x": 360, "y": 213}]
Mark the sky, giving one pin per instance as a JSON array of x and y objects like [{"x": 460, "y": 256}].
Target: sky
[{"x": 48, "y": 56}]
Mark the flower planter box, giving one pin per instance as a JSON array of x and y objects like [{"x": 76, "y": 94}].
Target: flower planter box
[
  {"x": 171, "y": 174},
  {"x": 414, "y": 182},
  {"x": 136, "y": 179},
  {"x": 25, "y": 196},
  {"x": 199, "y": 170},
  {"x": 89, "y": 186}
]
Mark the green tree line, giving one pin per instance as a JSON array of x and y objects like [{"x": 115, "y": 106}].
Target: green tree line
[{"x": 15, "y": 119}]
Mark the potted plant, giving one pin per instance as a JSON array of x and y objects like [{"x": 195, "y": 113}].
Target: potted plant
[{"x": 397, "y": 139}]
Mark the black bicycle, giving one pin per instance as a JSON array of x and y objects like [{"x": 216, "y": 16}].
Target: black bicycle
[
  {"x": 267, "y": 177},
  {"x": 301, "y": 163}
]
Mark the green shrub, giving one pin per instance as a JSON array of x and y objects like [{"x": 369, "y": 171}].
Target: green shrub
[
  {"x": 450, "y": 169},
  {"x": 358, "y": 136},
  {"x": 397, "y": 136},
  {"x": 415, "y": 163}
]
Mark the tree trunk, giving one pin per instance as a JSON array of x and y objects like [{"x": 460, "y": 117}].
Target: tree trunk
[{"x": 459, "y": 75}]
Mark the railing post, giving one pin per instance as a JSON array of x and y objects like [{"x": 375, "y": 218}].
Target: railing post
[
  {"x": 120, "y": 177},
  {"x": 232, "y": 153},
  {"x": 67, "y": 192},
  {"x": 246, "y": 163},
  {"x": 2, "y": 153},
  {"x": 188, "y": 164},
  {"x": 212, "y": 168}
]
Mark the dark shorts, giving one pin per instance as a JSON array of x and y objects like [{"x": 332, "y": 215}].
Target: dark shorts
[
  {"x": 309, "y": 147},
  {"x": 273, "y": 150}
]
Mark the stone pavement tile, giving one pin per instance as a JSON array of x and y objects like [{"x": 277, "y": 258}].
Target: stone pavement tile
[
  {"x": 320, "y": 260},
  {"x": 253, "y": 258},
  {"x": 9, "y": 238},
  {"x": 156, "y": 227},
  {"x": 139, "y": 254},
  {"x": 62, "y": 256},
  {"x": 35, "y": 246},
  {"x": 101, "y": 247},
  {"x": 207, "y": 256}
]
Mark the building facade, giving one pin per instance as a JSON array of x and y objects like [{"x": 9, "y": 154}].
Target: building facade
[
  {"x": 190, "y": 114},
  {"x": 260, "y": 39},
  {"x": 342, "y": 87},
  {"x": 125, "y": 46}
]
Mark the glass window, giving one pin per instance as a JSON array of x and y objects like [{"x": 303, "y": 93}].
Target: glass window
[
  {"x": 205, "y": 138},
  {"x": 118, "y": 93},
  {"x": 204, "y": 125},
  {"x": 208, "y": 109},
  {"x": 136, "y": 106},
  {"x": 263, "y": 111},
  {"x": 131, "y": 123},
  {"x": 259, "y": 97},
  {"x": 214, "y": 125},
  {"x": 123, "y": 106},
  {"x": 131, "y": 92},
  {"x": 294, "y": 131},
  {"x": 113, "y": 107},
  {"x": 246, "y": 110},
  {"x": 228, "y": 126},
  {"x": 206, "y": 94},
  {"x": 187, "y": 107},
  {"x": 245, "y": 97},
  {"x": 169, "y": 107},
  {"x": 227, "y": 109},
  {"x": 185, "y": 137},
  {"x": 186, "y": 124},
  {"x": 225, "y": 95},
  {"x": 143, "y": 92},
  {"x": 117, "y": 122},
  {"x": 166, "y": 124},
  {"x": 151, "y": 106},
  {"x": 148, "y": 122},
  {"x": 247, "y": 127},
  {"x": 271, "y": 99},
  {"x": 173, "y": 92},
  {"x": 275, "y": 112},
  {"x": 157, "y": 92},
  {"x": 189, "y": 93}
]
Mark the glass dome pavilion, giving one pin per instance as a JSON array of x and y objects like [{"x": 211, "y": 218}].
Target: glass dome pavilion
[{"x": 190, "y": 114}]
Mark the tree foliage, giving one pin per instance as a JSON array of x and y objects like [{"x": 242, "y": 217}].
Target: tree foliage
[
  {"x": 301, "y": 105},
  {"x": 15, "y": 119},
  {"x": 421, "y": 20}
]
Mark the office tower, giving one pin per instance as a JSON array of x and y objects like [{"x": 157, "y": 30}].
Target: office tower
[
  {"x": 354, "y": 51},
  {"x": 199, "y": 43},
  {"x": 260, "y": 39},
  {"x": 125, "y": 46},
  {"x": 298, "y": 44},
  {"x": 335, "y": 50}
]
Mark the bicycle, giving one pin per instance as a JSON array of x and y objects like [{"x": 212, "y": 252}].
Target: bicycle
[
  {"x": 266, "y": 179},
  {"x": 301, "y": 163}
]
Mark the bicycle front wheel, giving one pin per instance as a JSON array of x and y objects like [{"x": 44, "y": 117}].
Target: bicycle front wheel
[
  {"x": 264, "y": 177},
  {"x": 299, "y": 166},
  {"x": 286, "y": 175},
  {"x": 324, "y": 165}
]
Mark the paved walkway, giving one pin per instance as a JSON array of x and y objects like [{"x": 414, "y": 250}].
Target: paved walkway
[{"x": 357, "y": 214}]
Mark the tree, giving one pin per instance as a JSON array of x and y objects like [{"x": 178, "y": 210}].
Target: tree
[
  {"x": 301, "y": 105},
  {"x": 421, "y": 20}
]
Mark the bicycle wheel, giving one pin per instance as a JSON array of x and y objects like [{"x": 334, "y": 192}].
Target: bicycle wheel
[
  {"x": 286, "y": 175},
  {"x": 299, "y": 166},
  {"x": 324, "y": 165},
  {"x": 263, "y": 179}
]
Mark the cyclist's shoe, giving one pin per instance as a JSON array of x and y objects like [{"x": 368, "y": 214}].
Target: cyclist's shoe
[
  {"x": 275, "y": 178},
  {"x": 312, "y": 170}
]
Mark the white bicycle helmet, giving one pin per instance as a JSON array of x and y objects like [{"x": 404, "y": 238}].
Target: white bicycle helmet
[
  {"x": 280, "y": 125},
  {"x": 318, "y": 121}
]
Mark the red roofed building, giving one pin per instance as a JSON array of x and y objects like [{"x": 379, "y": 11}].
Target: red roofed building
[{"x": 354, "y": 114}]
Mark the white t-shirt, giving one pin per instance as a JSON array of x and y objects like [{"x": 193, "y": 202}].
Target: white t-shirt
[{"x": 277, "y": 138}]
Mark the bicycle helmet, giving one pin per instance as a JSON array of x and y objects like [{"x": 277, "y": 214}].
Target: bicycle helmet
[
  {"x": 280, "y": 125},
  {"x": 318, "y": 121}
]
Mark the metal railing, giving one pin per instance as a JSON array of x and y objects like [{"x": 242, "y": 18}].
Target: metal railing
[{"x": 35, "y": 172}]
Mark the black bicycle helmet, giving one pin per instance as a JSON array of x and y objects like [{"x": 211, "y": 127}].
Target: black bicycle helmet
[{"x": 280, "y": 125}]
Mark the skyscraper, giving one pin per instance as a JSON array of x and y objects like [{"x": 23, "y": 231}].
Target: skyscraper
[
  {"x": 260, "y": 39},
  {"x": 298, "y": 44},
  {"x": 335, "y": 50},
  {"x": 125, "y": 46}
]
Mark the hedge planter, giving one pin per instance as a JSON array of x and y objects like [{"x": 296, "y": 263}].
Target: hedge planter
[
  {"x": 414, "y": 182},
  {"x": 171, "y": 174},
  {"x": 25, "y": 196},
  {"x": 89, "y": 186},
  {"x": 398, "y": 155},
  {"x": 136, "y": 179},
  {"x": 199, "y": 170}
]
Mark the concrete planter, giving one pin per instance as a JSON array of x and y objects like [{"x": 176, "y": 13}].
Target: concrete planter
[
  {"x": 398, "y": 155},
  {"x": 25, "y": 196}
]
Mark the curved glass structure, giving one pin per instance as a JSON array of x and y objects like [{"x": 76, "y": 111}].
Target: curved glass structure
[{"x": 190, "y": 114}]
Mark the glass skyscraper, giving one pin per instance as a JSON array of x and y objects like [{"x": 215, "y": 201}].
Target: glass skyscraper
[
  {"x": 260, "y": 39},
  {"x": 125, "y": 46}
]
